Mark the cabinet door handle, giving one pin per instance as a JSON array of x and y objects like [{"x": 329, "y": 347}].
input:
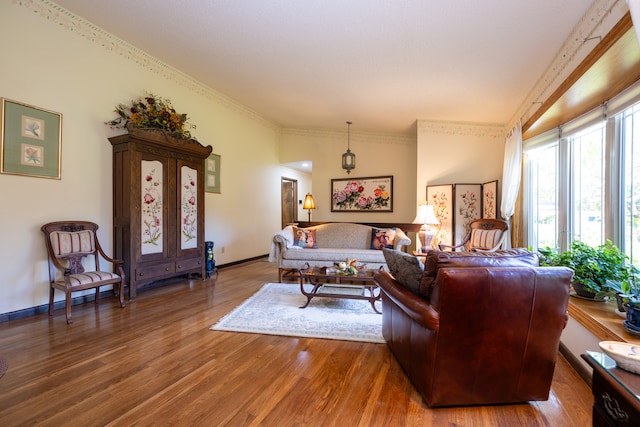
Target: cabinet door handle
[
  {"x": 613, "y": 409},
  {"x": 166, "y": 269}
]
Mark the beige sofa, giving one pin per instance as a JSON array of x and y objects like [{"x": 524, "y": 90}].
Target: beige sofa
[{"x": 332, "y": 242}]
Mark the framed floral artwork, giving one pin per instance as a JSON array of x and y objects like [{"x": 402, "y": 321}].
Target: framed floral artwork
[
  {"x": 212, "y": 174},
  {"x": 468, "y": 207},
  {"x": 490, "y": 199},
  {"x": 370, "y": 194},
  {"x": 31, "y": 139},
  {"x": 441, "y": 197}
]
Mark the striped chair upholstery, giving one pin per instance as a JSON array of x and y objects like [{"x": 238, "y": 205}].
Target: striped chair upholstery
[
  {"x": 69, "y": 244},
  {"x": 484, "y": 239},
  {"x": 484, "y": 235}
]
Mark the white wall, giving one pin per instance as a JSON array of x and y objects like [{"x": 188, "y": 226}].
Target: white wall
[
  {"x": 458, "y": 153},
  {"x": 72, "y": 72},
  {"x": 376, "y": 155}
]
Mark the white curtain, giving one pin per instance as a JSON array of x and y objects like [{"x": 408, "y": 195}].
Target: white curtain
[
  {"x": 634, "y": 7},
  {"x": 511, "y": 171}
]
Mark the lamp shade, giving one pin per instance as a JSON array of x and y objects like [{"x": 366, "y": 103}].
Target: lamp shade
[
  {"x": 308, "y": 202},
  {"x": 426, "y": 215}
]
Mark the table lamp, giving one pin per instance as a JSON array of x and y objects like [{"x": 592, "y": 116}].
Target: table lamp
[
  {"x": 427, "y": 217},
  {"x": 309, "y": 204}
]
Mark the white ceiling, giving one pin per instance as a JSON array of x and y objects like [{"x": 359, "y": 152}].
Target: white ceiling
[{"x": 381, "y": 64}]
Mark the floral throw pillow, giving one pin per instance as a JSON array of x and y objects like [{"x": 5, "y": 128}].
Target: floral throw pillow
[
  {"x": 382, "y": 238},
  {"x": 304, "y": 238}
]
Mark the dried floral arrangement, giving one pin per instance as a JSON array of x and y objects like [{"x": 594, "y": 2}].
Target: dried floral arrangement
[{"x": 152, "y": 112}]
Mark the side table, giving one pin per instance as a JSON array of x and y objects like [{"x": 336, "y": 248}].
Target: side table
[{"x": 616, "y": 400}]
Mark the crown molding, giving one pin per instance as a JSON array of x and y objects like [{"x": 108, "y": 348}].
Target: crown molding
[
  {"x": 477, "y": 130},
  {"x": 62, "y": 17},
  {"x": 368, "y": 137},
  {"x": 595, "y": 23}
]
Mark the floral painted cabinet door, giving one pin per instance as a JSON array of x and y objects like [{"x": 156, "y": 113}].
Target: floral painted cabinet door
[
  {"x": 152, "y": 218},
  {"x": 189, "y": 208}
]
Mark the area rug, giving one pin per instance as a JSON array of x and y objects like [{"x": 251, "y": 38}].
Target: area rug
[{"x": 274, "y": 310}]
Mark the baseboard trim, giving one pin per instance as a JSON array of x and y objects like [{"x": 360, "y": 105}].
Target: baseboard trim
[
  {"x": 44, "y": 308},
  {"x": 576, "y": 364}
]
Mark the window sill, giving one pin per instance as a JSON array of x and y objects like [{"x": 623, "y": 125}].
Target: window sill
[{"x": 602, "y": 319}]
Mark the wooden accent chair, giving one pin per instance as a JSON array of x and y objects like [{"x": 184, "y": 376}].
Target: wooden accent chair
[
  {"x": 485, "y": 235},
  {"x": 68, "y": 244}
]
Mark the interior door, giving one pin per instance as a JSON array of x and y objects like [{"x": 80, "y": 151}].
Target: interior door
[{"x": 289, "y": 195}]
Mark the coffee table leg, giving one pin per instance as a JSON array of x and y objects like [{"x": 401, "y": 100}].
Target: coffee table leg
[
  {"x": 311, "y": 294},
  {"x": 373, "y": 304}
]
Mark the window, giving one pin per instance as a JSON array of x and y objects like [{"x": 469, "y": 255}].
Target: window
[
  {"x": 585, "y": 184},
  {"x": 543, "y": 171},
  {"x": 629, "y": 121}
]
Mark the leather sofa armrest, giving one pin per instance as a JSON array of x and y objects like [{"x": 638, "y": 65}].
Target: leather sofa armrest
[
  {"x": 415, "y": 307},
  {"x": 401, "y": 240}
]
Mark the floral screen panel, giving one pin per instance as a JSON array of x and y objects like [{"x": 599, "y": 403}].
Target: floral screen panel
[
  {"x": 490, "y": 199},
  {"x": 467, "y": 208},
  {"x": 441, "y": 197},
  {"x": 189, "y": 204},
  {"x": 152, "y": 220}
]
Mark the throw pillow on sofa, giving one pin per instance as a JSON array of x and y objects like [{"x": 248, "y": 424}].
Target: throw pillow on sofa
[
  {"x": 304, "y": 238},
  {"x": 405, "y": 268},
  {"x": 382, "y": 238},
  {"x": 441, "y": 259}
]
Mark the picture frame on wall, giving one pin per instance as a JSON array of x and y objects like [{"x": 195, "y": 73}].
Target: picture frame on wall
[
  {"x": 468, "y": 207},
  {"x": 212, "y": 173},
  {"x": 490, "y": 199},
  {"x": 368, "y": 194},
  {"x": 441, "y": 197},
  {"x": 31, "y": 140}
]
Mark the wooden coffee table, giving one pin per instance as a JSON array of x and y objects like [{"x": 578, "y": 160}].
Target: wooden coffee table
[{"x": 329, "y": 284}]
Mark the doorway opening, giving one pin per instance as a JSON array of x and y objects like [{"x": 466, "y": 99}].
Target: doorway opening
[{"x": 289, "y": 197}]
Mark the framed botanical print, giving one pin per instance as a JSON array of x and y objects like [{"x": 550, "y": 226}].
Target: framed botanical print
[
  {"x": 490, "y": 199},
  {"x": 441, "y": 197},
  {"x": 467, "y": 204},
  {"x": 212, "y": 174},
  {"x": 31, "y": 140},
  {"x": 370, "y": 194}
]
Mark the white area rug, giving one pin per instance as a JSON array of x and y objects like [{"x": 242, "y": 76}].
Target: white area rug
[{"x": 274, "y": 310}]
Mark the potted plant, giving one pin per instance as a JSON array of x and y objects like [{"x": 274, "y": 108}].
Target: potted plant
[
  {"x": 628, "y": 299},
  {"x": 595, "y": 268}
]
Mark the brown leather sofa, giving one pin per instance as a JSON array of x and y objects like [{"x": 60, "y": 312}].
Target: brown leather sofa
[{"x": 483, "y": 328}]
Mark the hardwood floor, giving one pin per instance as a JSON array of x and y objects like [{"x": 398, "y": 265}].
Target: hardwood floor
[{"x": 156, "y": 362}]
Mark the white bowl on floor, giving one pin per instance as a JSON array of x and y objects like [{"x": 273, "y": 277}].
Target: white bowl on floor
[{"x": 626, "y": 355}]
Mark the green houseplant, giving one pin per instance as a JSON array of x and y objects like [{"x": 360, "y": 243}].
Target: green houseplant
[
  {"x": 596, "y": 269},
  {"x": 628, "y": 299}
]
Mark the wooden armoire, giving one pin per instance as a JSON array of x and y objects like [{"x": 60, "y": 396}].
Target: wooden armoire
[{"x": 158, "y": 206}]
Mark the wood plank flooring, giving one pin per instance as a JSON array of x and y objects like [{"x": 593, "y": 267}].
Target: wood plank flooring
[{"x": 156, "y": 362}]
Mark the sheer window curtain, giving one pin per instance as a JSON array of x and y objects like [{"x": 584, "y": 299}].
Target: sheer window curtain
[
  {"x": 511, "y": 174},
  {"x": 634, "y": 8}
]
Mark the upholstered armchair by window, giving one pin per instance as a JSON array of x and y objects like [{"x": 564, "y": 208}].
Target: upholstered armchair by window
[
  {"x": 68, "y": 244},
  {"x": 485, "y": 235}
]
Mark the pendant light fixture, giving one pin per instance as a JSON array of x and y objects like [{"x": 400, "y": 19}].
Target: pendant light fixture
[{"x": 348, "y": 158}]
